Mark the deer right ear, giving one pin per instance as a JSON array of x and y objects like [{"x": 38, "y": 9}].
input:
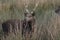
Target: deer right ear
[
  {"x": 33, "y": 13},
  {"x": 25, "y": 14}
]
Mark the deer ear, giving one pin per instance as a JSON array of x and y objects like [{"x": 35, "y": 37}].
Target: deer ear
[
  {"x": 33, "y": 13},
  {"x": 25, "y": 14}
]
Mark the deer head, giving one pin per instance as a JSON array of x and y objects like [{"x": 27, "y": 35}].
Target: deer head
[{"x": 30, "y": 15}]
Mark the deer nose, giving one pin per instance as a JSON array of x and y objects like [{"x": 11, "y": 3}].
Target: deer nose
[{"x": 28, "y": 18}]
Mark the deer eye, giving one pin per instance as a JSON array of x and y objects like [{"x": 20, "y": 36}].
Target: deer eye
[{"x": 33, "y": 13}]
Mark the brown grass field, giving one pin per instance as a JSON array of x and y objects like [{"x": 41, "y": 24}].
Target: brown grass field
[{"x": 48, "y": 22}]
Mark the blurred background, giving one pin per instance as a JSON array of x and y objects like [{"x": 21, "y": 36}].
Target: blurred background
[{"x": 48, "y": 22}]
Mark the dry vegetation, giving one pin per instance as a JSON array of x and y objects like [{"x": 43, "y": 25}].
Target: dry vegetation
[{"x": 48, "y": 22}]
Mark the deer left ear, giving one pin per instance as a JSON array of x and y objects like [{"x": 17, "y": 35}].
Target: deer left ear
[{"x": 33, "y": 13}]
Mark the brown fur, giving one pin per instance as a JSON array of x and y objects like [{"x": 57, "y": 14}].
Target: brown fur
[
  {"x": 14, "y": 25},
  {"x": 10, "y": 26},
  {"x": 28, "y": 25},
  {"x": 57, "y": 10}
]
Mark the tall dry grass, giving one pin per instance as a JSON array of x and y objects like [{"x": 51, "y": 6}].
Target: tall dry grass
[{"x": 48, "y": 24}]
